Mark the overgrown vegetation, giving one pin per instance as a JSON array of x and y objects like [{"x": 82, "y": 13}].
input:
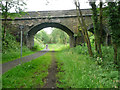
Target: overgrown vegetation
[
  {"x": 11, "y": 49},
  {"x": 77, "y": 70},
  {"x": 28, "y": 75},
  {"x": 112, "y": 20},
  {"x": 56, "y": 37},
  {"x": 97, "y": 27},
  {"x": 6, "y": 7},
  {"x": 83, "y": 27},
  {"x": 114, "y": 24}
]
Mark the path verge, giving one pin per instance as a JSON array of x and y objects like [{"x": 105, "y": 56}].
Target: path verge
[{"x": 11, "y": 64}]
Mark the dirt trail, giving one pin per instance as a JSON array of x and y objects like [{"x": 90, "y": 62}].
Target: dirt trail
[{"x": 52, "y": 71}]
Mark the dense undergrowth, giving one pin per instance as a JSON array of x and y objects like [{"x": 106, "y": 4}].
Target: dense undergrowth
[
  {"x": 28, "y": 75},
  {"x": 77, "y": 70},
  {"x": 11, "y": 49}
]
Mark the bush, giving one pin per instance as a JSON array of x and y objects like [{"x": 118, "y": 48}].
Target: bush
[{"x": 11, "y": 48}]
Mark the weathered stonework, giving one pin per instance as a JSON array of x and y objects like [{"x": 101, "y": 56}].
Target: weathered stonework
[{"x": 63, "y": 19}]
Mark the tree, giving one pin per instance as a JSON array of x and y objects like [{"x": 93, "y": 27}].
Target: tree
[
  {"x": 97, "y": 27},
  {"x": 7, "y": 6},
  {"x": 43, "y": 37},
  {"x": 101, "y": 28},
  {"x": 59, "y": 36},
  {"x": 114, "y": 24},
  {"x": 83, "y": 27}
]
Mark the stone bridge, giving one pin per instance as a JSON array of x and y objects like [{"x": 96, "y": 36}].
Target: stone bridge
[{"x": 65, "y": 20}]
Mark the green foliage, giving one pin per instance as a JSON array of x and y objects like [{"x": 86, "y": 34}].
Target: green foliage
[
  {"x": 77, "y": 70},
  {"x": 112, "y": 16},
  {"x": 94, "y": 17},
  {"x": 92, "y": 40},
  {"x": 9, "y": 43},
  {"x": 57, "y": 36},
  {"x": 37, "y": 45},
  {"x": 42, "y": 37},
  {"x": 28, "y": 75},
  {"x": 114, "y": 21},
  {"x": 16, "y": 5},
  {"x": 11, "y": 48}
]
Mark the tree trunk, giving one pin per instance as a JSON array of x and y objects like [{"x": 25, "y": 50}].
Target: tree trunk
[
  {"x": 119, "y": 45},
  {"x": 119, "y": 8},
  {"x": 101, "y": 26},
  {"x": 114, "y": 27},
  {"x": 80, "y": 24},
  {"x": 84, "y": 30},
  {"x": 95, "y": 24},
  {"x": 95, "y": 42},
  {"x": 100, "y": 39},
  {"x": 115, "y": 53},
  {"x": 5, "y": 23},
  {"x": 97, "y": 28}
]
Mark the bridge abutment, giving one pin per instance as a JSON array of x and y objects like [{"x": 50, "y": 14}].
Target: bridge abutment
[
  {"x": 72, "y": 41},
  {"x": 30, "y": 41}
]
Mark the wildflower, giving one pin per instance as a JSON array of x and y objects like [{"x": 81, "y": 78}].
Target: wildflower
[{"x": 98, "y": 58}]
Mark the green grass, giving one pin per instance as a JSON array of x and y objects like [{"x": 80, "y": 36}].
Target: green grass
[
  {"x": 78, "y": 70},
  {"x": 57, "y": 47},
  {"x": 11, "y": 49},
  {"x": 28, "y": 75},
  {"x": 12, "y": 55}
]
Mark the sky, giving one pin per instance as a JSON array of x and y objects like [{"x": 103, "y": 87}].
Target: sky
[
  {"x": 48, "y": 30},
  {"x": 44, "y": 5}
]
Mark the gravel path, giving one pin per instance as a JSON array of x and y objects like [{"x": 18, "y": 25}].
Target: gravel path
[{"x": 11, "y": 64}]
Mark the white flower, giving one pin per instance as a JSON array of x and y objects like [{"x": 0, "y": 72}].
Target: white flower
[{"x": 98, "y": 58}]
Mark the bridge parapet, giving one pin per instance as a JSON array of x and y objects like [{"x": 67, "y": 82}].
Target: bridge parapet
[{"x": 55, "y": 13}]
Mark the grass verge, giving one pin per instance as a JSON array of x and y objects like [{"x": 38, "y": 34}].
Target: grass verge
[
  {"x": 12, "y": 55},
  {"x": 28, "y": 75},
  {"x": 77, "y": 70}
]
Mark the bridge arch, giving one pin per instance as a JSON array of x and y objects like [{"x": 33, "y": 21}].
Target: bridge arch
[
  {"x": 91, "y": 29},
  {"x": 31, "y": 33},
  {"x": 105, "y": 33}
]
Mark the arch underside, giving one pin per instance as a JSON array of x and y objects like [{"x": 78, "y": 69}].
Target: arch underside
[
  {"x": 39, "y": 27},
  {"x": 106, "y": 36},
  {"x": 104, "y": 31},
  {"x": 35, "y": 29}
]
